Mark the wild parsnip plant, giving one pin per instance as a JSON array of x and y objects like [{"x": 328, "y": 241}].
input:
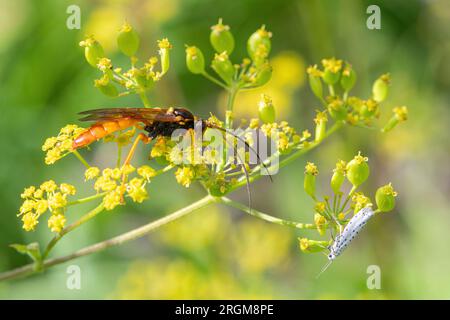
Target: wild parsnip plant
[{"x": 220, "y": 174}]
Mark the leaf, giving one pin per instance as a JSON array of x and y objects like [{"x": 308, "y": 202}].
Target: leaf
[{"x": 32, "y": 250}]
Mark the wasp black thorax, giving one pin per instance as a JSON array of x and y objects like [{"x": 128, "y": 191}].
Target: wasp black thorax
[{"x": 185, "y": 120}]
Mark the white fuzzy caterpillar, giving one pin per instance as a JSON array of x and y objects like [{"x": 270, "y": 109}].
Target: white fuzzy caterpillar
[{"x": 351, "y": 230}]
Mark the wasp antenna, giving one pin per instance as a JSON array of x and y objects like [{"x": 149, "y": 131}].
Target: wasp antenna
[
  {"x": 247, "y": 178},
  {"x": 325, "y": 267},
  {"x": 246, "y": 144}
]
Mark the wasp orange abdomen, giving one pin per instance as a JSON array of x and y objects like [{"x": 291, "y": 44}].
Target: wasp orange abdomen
[{"x": 100, "y": 130}]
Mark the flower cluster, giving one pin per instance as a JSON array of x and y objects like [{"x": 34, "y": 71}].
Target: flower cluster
[
  {"x": 252, "y": 72},
  {"x": 112, "y": 182},
  {"x": 333, "y": 213},
  {"x": 340, "y": 78},
  {"x": 47, "y": 197},
  {"x": 134, "y": 80},
  {"x": 61, "y": 145}
]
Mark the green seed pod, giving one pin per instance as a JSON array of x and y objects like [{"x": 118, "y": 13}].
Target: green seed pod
[
  {"x": 348, "y": 78},
  {"x": 221, "y": 38},
  {"x": 263, "y": 75},
  {"x": 311, "y": 246},
  {"x": 128, "y": 40},
  {"x": 332, "y": 71},
  {"x": 106, "y": 87},
  {"x": 195, "y": 60},
  {"x": 223, "y": 67},
  {"x": 266, "y": 109},
  {"x": 259, "y": 44},
  {"x": 380, "y": 88},
  {"x": 93, "y": 51},
  {"x": 358, "y": 170},
  {"x": 338, "y": 176},
  {"x": 385, "y": 198},
  {"x": 316, "y": 86},
  {"x": 309, "y": 183},
  {"x": 218, "y": 190},
  {"x": 164, "y": 48},
  {"x": 321, "y": 125}
]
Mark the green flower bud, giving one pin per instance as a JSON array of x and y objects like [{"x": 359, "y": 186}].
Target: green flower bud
[
  {"x": 348, "y": 78},
  {"x": 264, "y": 73},
  {"x": 311, "y": 246},
  {"x": 309, "y": 183},
  {"x": 358, "y": 170},
  {"x": 164, "y": 48},
  {"x": 218, "y": 190},
  {"x": 385, "y": 198},
  {"x": 368, "y": 108},
  {"x": 223, "y": 67},
  {"x": 93, "y": 51},
  {"x": 315, "y": 81},
  {"x": 259, "y": 44},
  {"x": 321, "y": 125},
  {"x": 380, "y": 88},
  {"x": 400, "y": 115},
  {"x": 338, "y": 176},
  {"x": 266, "y": 109},
  {"x": 106, "y": 87},
  {"x": 336, "y": 108},
  {"x": 221, "y": 38},
  {"x": 128, "y": 40},
  {"x": 195, "y": 60},
  {"x": 332, "y": 71}
]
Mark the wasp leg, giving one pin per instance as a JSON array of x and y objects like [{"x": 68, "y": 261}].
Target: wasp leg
[{"x": 141, "y": 137}]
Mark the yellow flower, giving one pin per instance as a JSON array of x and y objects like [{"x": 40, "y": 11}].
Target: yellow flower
[
  {"x": 159, "y": 148},
  {"x": 49, "y": 143},
  {"x": 49, "y": 186},
  {"x": 283, "y": 142},
  {"x": 127, "y": 169},
  {"x": 311, "y": 168},
  {"x": 28, "y": 192},
  {"x": 67, "y": 188},
  {"x": 164, "y": 44},
  {"x": 57, "y": 200},
  {"x": 360, "y": 159},
  {"x": 112, "y": 200},
  {"x": 341, "y": 167},
  {"x": 401, "y": 113},
  {"x": 104, "y": 64},
  {"x": 320, "y": 207},
  {"x": 306, "y": 135},
  {"x": 321, "y": 117},
  {"x": 184, "y": 176},
  {"x": 52, "y": 156},
  {"x": 41, "y": 206},
  {"x": 254, "y": 123},
  {"x": 136, "y": 190},
  {"x": 313, "y": 71},
  {"x": 27, "y": 206},
  {"x": 91, "y": 173},
  {"x": 39, "y": 193},
  {"x": 360, "y": 201},
  {"x": 105, "y": 184},
  {"x": 332, "y": 65},
  {"x": 57, "y": 222},
  {"x": 146, "y": 172},
  {"x": 30, "y": 220}
]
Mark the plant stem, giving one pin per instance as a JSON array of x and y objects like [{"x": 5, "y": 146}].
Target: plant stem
[
  {"x": 266, "y": 217},
  {"x": 230, "y": 104},
  {"x": 87, "y": 199},
  {"x": 144, "y": 99},
  {"x": 212, "y": 79},
  {"x": 123, "y": 238},
  {"x": 80, "y": 157},
  {"x": 88, "y": 216}
]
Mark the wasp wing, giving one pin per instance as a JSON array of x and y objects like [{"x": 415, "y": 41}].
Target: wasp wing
[{"x": 146, "y": 115}]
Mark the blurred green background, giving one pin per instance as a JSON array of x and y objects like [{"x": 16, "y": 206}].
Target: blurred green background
[{"x": 217, "y": 252}]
